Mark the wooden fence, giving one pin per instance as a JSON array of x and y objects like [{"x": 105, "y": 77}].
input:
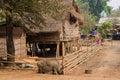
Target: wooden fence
[{"x": 87, "y": 49}]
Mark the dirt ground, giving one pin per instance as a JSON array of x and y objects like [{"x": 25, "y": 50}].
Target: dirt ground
[{"x": 105, "y": 65}]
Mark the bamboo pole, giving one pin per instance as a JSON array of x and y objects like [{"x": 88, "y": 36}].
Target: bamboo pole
[
  {"x": 63, "y": 55},
  {"x": 33, "y": 50},
  {"x": 92, "y": 47},
  {"x": 20, "y": 47},
  {"x": 58, "y": 49},
  {"x": 5, "y": 47}
]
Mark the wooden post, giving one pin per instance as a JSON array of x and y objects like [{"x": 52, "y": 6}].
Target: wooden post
[
  {"x": 81, "y": 43},
  {"x": 87, "y": 43},
  {"x": 21, "y": 47},
  {"x": 78, "y": 45},
  {"x": 92, "y": 46},
  {"x": 111, "y": 42},
  {"x": 58, "y": 49},
  {"x": 5, "y": 52},
  {"x": 33, "y": 49},
  {"x": 30, "y": 46},
  {"x": 70, "y": 48},
  {"x": 73, "y": 46},
  {"x": 63, "y": 55}
]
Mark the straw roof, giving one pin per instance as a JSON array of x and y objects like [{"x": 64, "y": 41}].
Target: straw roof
[{"x": 52, "y": 25}]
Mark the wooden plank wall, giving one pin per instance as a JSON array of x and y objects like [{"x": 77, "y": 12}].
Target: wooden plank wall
[
  {"x": 3, "y": 52},
  {"x": 23, "y": 48},
  {"x": 20, "y": 46},
  {"x": 19, "y": 42},
  {"x": 17, "y": 46}
]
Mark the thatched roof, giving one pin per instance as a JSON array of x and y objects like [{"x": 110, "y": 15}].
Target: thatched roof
[
  {"x": 52, "y": 25},
  {"x": 113, "y": 20},
  {"x": 17, "y": 31},
  {"x": 77, "y": 15}
]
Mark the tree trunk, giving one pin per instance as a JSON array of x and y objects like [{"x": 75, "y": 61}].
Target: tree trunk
[
  {"x": 9, "y": 31},
  {"x": 9, "y": 39}
]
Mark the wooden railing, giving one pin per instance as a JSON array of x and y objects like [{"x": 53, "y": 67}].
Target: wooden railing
[{"x": 78, "y": 57}]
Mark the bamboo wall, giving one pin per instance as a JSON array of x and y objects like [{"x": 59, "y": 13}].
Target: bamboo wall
[
  {"x": 2, "y": 47},
  {"x": 2, "y": 42},
  {"x": 19, "y": 42},
  {"x": 71, "y": 31}
]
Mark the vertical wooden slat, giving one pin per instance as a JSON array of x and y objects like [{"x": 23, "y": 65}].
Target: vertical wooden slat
[
  {"x": 92, "y": 46},
  {"x": 58, "y": 49},
  {"x": 33, "y": 49},
  {"x": 63, "y": 55},
  {"x": 20, "y": 46},
  {"x": 5, "y": 46}
]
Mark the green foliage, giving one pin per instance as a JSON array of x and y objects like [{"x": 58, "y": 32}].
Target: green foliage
[
  {"x": 108, "y": 10},
  {"x": 89, "y": 19},
  {"x": 97, "y": 6},
  {"x": 85, "y": 30},
  {"x": 1, "y": 16},
  {"x": 31, "y": 11},
  {"x": 104, "y": 29},
  {"x": 2, "y": 19}
]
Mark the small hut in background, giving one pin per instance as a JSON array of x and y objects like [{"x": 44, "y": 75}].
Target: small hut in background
[
  {"x": 19, "y": 41},
  {"x": 116, "y": 32},
  {"x": 115, "y": 21}
]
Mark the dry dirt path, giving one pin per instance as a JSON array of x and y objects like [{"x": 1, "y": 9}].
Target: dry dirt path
[{"x": 105, "y": 66}]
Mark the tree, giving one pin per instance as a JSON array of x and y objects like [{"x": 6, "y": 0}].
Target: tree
[
  {"x": 108, "y": 10},
  {"x": 89, "y": 19},
  {"x": 29, "y": 12},
  {"x": 97, "y": 6},
  {"x": 104, "y": 29}
]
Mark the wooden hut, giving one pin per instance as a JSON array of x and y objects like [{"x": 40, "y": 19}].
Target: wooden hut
[
  {"x": 58, "y": 39},
  {"x": 116, "y": 32},
  {"x": 19, "y": 42}
]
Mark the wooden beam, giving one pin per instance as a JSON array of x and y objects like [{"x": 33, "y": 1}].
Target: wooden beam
[{"x": 45, "y": 58}]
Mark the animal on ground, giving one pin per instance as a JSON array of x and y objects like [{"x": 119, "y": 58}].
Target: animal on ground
[{"x": 49, "y": 66}]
